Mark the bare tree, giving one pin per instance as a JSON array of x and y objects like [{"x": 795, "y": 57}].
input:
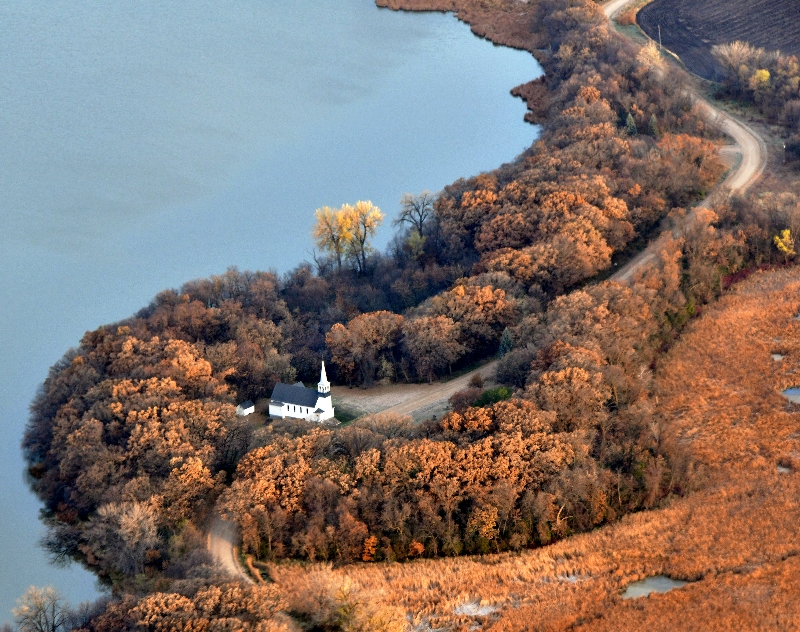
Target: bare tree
[
  {"x": 415, "y": 209},
  {"x": 125, "y": 532},
  {"x": 41, "y": 610}
]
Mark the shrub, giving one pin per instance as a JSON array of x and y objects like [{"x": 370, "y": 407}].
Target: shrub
[{"x": 493, "y": 396}]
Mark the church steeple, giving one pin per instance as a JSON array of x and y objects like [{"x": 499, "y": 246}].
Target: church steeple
[{"x": 324, "y": 387}]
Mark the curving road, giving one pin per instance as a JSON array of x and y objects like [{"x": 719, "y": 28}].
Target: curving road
[
  {"x": 222, "y": 539},
  {"x": 615, "y": 6},
  {"x": 433, "y": 394},
  {"x": 752, "y": 147}
]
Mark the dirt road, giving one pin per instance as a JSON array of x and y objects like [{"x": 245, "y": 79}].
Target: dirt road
[
  {"x": 753, "y": 151},
  {"x": 432, "y": 396},
  {"x": 421, "y": 401},
  {"x": 222, "y": 539},
  {"x": 425, "y": 399},
  {"x": 615, "y": 6}
]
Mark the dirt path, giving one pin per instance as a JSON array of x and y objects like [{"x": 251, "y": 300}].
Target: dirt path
[
  {"x": 222, "y": 539},
  {"x": 751, "y": 146},
  {"x": 615, "y": 6},
  {"x": 432, "y": 396},
  {"x": 421, "y": 401}
]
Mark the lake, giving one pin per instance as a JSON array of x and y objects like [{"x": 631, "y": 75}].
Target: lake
[{"x": 145, "y": 144}]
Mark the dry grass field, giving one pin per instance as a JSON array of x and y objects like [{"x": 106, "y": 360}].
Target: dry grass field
[
  {"x": 690, "y": 28},
  {"x": 734, "y": 538}
]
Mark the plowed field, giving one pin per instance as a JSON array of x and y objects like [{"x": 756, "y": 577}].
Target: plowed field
[{"x": 690, "y": 28}]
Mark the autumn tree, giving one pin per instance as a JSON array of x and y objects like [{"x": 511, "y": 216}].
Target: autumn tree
[
  {"x": 363, "y": 219},
  {"x": 334, "y": 231},
  {"x": 366, "y": 346},
  {"x": 432, "y": 343},
  {"x": 482, "y": 313},
  {"x": 785, "y": 244}
]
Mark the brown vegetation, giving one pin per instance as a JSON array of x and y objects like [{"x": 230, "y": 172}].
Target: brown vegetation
[{"x": 733, "y": 538}]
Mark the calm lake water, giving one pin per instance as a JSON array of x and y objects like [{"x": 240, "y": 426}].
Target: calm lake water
[{"x": 145, "y": 144}]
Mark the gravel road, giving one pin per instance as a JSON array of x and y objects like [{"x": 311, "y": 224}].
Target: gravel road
[
  {"x": 752, "y": 147},
  {"x": 222, "y": 539}
]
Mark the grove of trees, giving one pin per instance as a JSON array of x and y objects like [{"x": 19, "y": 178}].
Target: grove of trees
[{"x": 769, "y": 80}]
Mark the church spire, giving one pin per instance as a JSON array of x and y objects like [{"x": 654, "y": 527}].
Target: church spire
[{"x": 324, "y": 387}]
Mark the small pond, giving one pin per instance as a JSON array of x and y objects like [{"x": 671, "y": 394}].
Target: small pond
[
  {"x": 792, "y": 394},
  {"x": 657, "y": 583}
]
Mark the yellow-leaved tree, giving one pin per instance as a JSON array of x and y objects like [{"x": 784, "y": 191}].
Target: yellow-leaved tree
[
  {"x": 785, "y": 243},
  {"x": 364, "y": 219},
  {"x": 345, "y": 231},
  {"x": 333, "y": 231}
]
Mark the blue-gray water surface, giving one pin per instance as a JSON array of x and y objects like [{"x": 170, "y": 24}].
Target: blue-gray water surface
[{"x": 145, "y": 144}]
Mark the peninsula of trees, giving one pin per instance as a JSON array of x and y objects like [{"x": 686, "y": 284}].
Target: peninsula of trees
[{"x": 134, "y": 445}]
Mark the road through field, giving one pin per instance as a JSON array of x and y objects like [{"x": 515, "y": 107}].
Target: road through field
[{"x": 753, "y": 151}]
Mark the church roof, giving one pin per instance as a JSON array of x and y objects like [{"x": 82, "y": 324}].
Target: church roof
[{"x": 294, "y": 394}]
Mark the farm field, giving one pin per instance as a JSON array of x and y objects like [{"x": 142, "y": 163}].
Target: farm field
[
  {"x": 690, "y": 28},
  {"x": 733, "y": 538}
]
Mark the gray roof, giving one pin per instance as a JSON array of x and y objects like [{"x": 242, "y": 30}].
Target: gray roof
[
  {"x": 294, "y": 394},
  {"x": 248, "y": 404}
]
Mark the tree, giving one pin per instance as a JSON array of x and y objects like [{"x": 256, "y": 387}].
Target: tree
[
  {"x": 333, "y": 231},
  {"x": 432, "y": 342},
  {"x": 480, "y": 312},
  {"x": 785, "y": 243},
  {"x": 650, "y": 56},
  {"x": 415, "y": 210},
  {"x": 652, "y": 127},
  {"x": 630, "y": 125},
  {"x": 506, "y": 343},
  {"x": 363, "y": 220},
  {"x": 368, "y": 342},
  {"x": 759, "y": 79},
  {"x": 124, "y": 532},
  {"x": 41, "y": 610}
]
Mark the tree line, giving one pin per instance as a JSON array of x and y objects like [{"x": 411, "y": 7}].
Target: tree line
[{"x": 769, "y": 80}]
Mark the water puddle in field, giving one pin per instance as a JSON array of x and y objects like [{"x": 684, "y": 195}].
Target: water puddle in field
[
  {"x": 657, "y": 583},
  {"x": 475, "y": 609},
  {"x": 792, "y": 394}
]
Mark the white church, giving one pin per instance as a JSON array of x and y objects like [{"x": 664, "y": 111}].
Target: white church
[{"x": 298, "y": 402}]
